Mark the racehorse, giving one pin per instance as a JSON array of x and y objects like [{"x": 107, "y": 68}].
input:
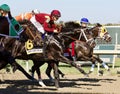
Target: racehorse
[
  {"x": 69, "y": 25},
  {"x": 17, "y": 49},
  {"x": 6, "y": 56},
  {"x": 84, "y": 52},
  {"x": 84, "y": 48}
]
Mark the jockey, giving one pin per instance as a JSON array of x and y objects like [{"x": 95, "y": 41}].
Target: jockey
[
  {"x": 4, "y": 10},
  {"x": 84, "y": 22},
  {"x": 14, "y": 27},
  {"x": 27, "y": 16},
  {"x": 46, "y": 22}
]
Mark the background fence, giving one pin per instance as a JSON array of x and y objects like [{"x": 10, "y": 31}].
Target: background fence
[{"x": 113, "y": 45}]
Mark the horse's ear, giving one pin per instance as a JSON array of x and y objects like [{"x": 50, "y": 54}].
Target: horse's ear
[{"x": 98, "y": 24}]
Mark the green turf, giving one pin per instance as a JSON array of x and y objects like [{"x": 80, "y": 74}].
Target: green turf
[{"x": 67, "y": 69}]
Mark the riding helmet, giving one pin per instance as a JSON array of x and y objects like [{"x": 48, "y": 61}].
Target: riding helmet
[
  {"x": 84, "y": 20},
  {"x": 56, "y": 13},
  {"x": 5, "y": 7}
]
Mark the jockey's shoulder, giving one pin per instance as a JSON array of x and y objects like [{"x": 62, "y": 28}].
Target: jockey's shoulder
[{"x": 42, "y": 14}]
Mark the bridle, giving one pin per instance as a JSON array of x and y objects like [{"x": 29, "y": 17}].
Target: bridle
[
  {"x": 30, "y": 32},
  {"x": 90, "y": 41},
  {"x": 82, "y": 33}
]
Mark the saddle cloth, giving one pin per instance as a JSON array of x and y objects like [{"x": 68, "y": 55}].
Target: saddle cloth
[{"x": 30, "y": 49}]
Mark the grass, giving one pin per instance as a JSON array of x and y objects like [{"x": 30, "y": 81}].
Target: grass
[{"x": 67, "y": 69}]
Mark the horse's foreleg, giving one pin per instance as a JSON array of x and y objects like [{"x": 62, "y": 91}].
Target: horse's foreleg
[
  {"x": 72, "y": 63},
  {"x": 41, "y": 83},
  {"x": 56, "y": 75},
  {"x": 48, "y": 71},
  {"x": 101, "y": 62},
  {"x": 35, "y": 67},
  {"x": 23, "y": 71},
  {"x": 59, "y": 71},
  {"x": 3, "y": 64},
  {"x": 92, "y": 67},
  {"x": 33, "y": 71},
  {"x": 7, "y": 57}
]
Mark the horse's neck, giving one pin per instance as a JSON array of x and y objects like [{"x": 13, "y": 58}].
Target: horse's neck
[
  {"x": 68, "y": 42},
  {"x": 95, "y": 32},
  {"x": 4, "y": 26}
]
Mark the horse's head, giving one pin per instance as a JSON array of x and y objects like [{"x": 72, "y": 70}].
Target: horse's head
[{"x": 99, "y": 31}]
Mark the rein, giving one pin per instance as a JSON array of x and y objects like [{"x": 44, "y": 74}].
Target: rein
[
  {"x": 82, "y": 33},
  {"x": 31, "y": 34},
  {"x": 71, "y": 38}
]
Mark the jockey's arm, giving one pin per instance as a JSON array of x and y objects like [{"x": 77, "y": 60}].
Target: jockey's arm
[{"x": 48, "y": 28}]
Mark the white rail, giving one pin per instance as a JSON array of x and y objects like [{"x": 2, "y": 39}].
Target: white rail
[{"x": 106, "y": 52}]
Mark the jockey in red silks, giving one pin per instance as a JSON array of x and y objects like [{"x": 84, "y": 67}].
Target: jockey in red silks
[
  {"x": 46, "y": 22},
  {"x": 27, "y": 15}
]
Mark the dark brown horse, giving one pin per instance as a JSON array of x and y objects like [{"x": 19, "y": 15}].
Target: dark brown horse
[
  {"x": 84, "y": 48},
  {"x": 5, "y": 54},
  {"x": 84, "y": 52},
  {"x": 63, "y": 36},
  {"x": 53, "y": 51}
]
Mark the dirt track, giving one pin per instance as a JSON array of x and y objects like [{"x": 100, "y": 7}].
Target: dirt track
[{"x": 17, "y": 83}]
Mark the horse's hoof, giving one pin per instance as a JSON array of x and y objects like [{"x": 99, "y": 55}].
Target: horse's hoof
[
  {"x": 14, "y": 69},
  {"x": 101, "y": 72},
  {"x": 33, "y": 79},
  {"x": 52, "y": 81},
  {"x": 62, "y": 75},
  {"x": 86, "y": 75},
  {"x": 42, "y": 84},
  {"x": 118, "y": 72},
  {"x": 108, "y": 70},
  {"x": 90, "y": 72}
]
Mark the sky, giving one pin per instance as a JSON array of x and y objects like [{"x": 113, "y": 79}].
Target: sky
[{"x": 102, "y": 11}]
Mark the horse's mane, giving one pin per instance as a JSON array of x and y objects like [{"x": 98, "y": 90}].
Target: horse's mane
[
  {"x": 29, "y": 24},
  {"x": 96, "y": 25},
  {"x": 72, "y": 24}
]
